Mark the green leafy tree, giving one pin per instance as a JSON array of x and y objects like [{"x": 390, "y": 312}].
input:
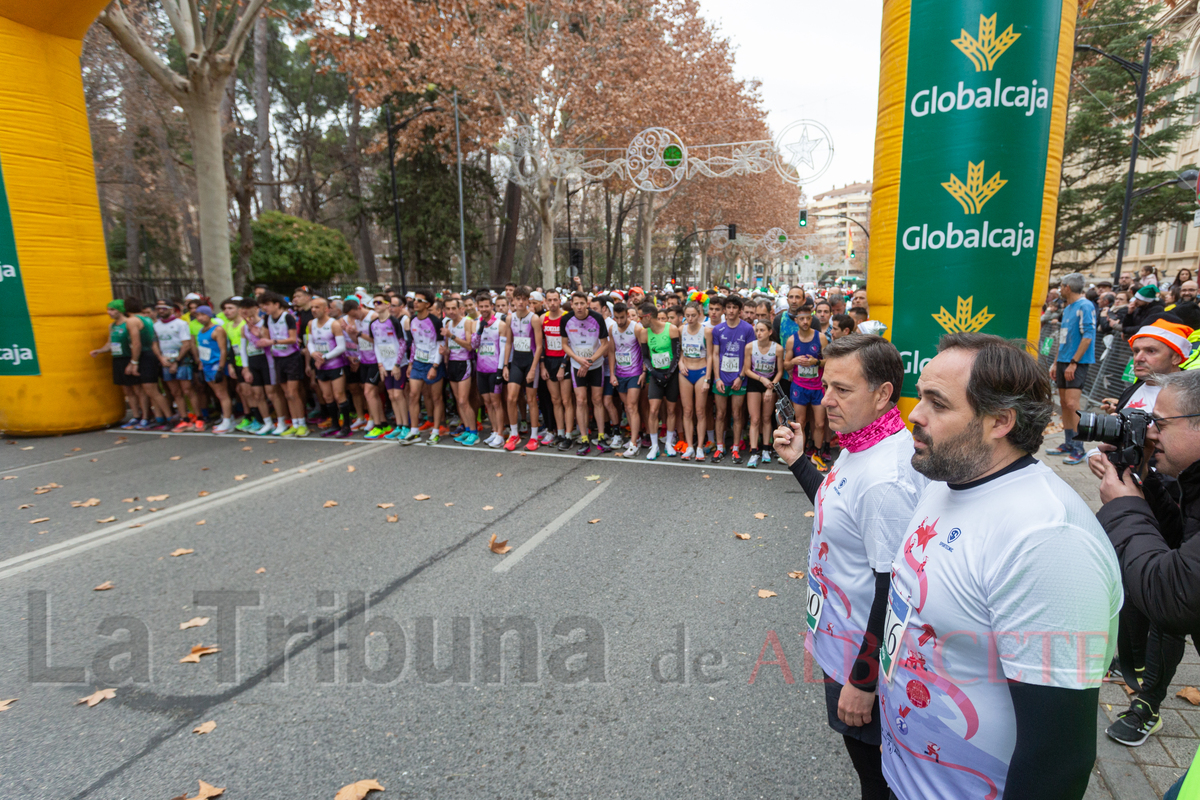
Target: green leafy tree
[
  {"x": 1101, "y": 110},
  {"x": 290, "y": 251}
]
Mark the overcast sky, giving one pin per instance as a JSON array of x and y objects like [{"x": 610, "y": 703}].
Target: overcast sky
[{"x": 816, "y": 59}]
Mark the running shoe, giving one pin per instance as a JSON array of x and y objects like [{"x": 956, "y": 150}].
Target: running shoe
[
  {"x": 182, "y": 425},
  {"x": 455, "y": 421},
  {"x": 700, "y": 455},
  {"x": 343, "y": 432},
  {"x": 302, "y": 431},
  {"x": 131, "y": 424},
  {"x": 461, "y": 435},
  {"x": 653, "y": 454},
  {"x": 245, "y": 425},
  {"x": 159, "y": 424},
  {"x": 290, "y": 430},
  {"x": 496, "y": 440},
  {"x": 631, "y": 450},
  {"x": 325, "y": 434},
  {"x": 645, "y": 440},
  {"x": 143, "y": 425},
  {"x": 532, "y": 444},
  {"x": 434, "y": 438},
  {"x": 717, "y": 455},
  {"x": 737, "y": 455},
  {"x": 511, "y": 443},
  {"x": 1062, "y": 450},
  {"x": 377, "y": 432},
  {"x": 426, "y": 425},
  {"x": 281, "y": 427},
  {"x": 412, "y": 437},
  {"x": 1078, "y": 457},
  {"x": 672, "y": 450},
  {"x": 585, "y": 446},
  {"x": 564, "y": 443},
  {"x": 819, "y": 463},
  {"x": 199, "y": 425},
  {"x": 325, "y": 424},
  {"x": 753, "y": 462},
  {"x": 766, "y": 456},
  {"x": 458, "y": 430},
  {"x": 688, "y": 454},
  {"x": 263, "y": 430},
  {"x": 395, "y": 433},
  {"x": 1133, "y": 727},
  {"x": 226, "y": 426},
  {"x": 710, "y": 446},
  {"x": 602, "y": 445},
  {"x": 616, "y": 441},
  {"x": 358, "y": 424},
  {"x": 524, "y": 426},
  {"x": 470, "y": 440},
  {"x": 255, "y": 427},
  {"x": 548, "y": 438}
]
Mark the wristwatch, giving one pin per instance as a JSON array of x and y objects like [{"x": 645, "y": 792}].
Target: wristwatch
[{"x": 1075, "y": 362}]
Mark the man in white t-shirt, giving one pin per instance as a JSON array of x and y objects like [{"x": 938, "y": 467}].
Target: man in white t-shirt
[
  {"x": 862, "y": 508},
  {"x": 1002, "y": 614}
]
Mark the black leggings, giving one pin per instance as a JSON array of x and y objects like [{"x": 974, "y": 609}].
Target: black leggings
[{"x": 868, "y": 763}]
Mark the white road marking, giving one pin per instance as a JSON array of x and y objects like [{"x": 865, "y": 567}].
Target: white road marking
[
  {"x": 60, "y": 460},
  {"x": 541, "y": 536},
  {"x": 662, "y": 461},
  {"x": 88, "y": 541},
  {"x": 237, "y": 436}
]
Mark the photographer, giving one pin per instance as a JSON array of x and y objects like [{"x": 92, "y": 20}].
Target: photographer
[{"x": 1153, "y": 529}]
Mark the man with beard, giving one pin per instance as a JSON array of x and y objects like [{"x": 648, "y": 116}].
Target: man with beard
[
  {"x": 862, "y": 509},
  {"x": 1002, "y": 612}
]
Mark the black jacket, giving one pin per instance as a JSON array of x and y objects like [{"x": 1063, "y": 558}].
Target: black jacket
[
  {"x": 1159, "y": 551},
  {"x": 1189, "y": 312},
  {"x": 1145, "y": 315}
]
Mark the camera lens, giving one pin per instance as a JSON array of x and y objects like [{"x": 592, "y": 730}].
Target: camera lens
[{"x": 1099, "y": 428}]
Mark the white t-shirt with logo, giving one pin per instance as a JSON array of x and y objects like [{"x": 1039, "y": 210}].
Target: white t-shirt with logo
[
  {"x": 862, "y": 512},
  {"x": 171, "y": 336},
  {"x": 1012, "y": 579},
  {"x": 1144, "y": 397}
]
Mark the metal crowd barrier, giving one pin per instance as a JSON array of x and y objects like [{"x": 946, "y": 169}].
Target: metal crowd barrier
[{"x": 1108, "y": 377}]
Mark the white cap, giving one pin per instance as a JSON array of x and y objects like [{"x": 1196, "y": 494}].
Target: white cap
[
  {"x": 537, "y": 297},
  {"x": 411, "y": 295},
  {"x": 191, "y": 296}
]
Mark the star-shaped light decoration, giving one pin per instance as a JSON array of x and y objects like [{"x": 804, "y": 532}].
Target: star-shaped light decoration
[{"x": 802, "y": 149}]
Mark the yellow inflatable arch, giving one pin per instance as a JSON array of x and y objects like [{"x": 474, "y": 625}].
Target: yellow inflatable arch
[{"x": 53, "y": 267}]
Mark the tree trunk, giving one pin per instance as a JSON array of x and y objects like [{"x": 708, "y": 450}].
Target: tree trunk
[
  {"x": 204, "y": 119},
  {"x": 637, "y": 238},
  {"x": 508, "y": 243},
  {"x": 245, "y": 202},
  {"x": 262, "y": 107},
  {"x": 366, "y": 251},
  {"x": 545, "y": 205},
  {"x": 133, "y": 238},
  {"x": 648, "y": 231},
  {"x": 608, "y": 243},
  {"x": 180, "y": 193}
]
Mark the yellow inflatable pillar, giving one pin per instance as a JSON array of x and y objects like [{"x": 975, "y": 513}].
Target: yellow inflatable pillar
[
  {"x": 968, "y": 155},
  {"x": 53, "y": 267}
]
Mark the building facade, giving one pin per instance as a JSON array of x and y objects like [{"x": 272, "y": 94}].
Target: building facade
[{"x": 836, "y": 234}]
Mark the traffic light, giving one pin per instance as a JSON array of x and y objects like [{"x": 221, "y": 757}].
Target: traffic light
[
  {"x": 804, "y": 218},
  {"x": 852, "y": 254},
  {"x": 732, "y": 231}
]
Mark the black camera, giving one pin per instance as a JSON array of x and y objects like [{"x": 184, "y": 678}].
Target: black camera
[{"x": 1125, "y": 430}]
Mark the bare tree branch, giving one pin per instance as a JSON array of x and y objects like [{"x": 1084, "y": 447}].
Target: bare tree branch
[
  {"x": 182, "y": 31},
  {"x": 123, "y": 31},
  {"x": 237, "y": 39}
]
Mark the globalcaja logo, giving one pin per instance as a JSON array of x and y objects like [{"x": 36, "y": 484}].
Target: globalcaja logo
[
  {"x": 964, "y": 321},
  {"x": 974, "y": 194},
  {"x": 985, "y": 50}
]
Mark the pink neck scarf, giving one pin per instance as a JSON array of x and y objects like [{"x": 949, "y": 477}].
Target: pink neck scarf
[{"x": 873, "y": 434}]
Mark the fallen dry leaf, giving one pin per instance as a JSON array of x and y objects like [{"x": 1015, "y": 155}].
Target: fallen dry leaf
[
  {"x": 593, "y": 521},
  {"x": 592, "y": 478},
  {"x": 357, "y": 790},
  {"x": 48, "y": 487},
  {"x": 136, "y": 508},
  {"x": 204, "y": 469},
  {"x": 420, "y": 497},
  {"x": 76, "y": 449},
  {"x": 206, "y": 792},
  {"x": 165, "y": 436},
  {"x": 94, "y": 460},
  {"x": 809, "y": 513},
  {"x": 104, "y": 586},
  {"x": 764, "y": 593},
  {"x": 799, "y": 575},
  {"x": 10, "y": 477},
  {"x": 488, "y": 508},
  {"x": 97, "y": 697},
  {"x": 182, "y": 552},
  {"x": 239, "y": 477},
  {"x": 760, "y": 515},
  {"x": 175, "y": 458},
  {"x": 39, "y": 533},
  {"x": 706, "y": 476},
  {"x": 26, "y": 505},
  {"x": 768, "y": 477},
  {"x": 260, "y": 570},
  {"x": 449, "y": 504},
  {"x": 197, "y": 651},
  {"x": 203, "y": 493},
  {"x": 350, "y": 468},
  {"x": 136, "y": 525},
  {"x": 202, "y": 522},
  {"x": 247, "y": 449},
  {"x": 107, "y": 519},
  {"x": 301, "y": 470},
  {"x": 499, "y": 474},
  {"x": 270, "y": 460},
  {"x": 27, "y": 448},
  {"x": 91, "y": 501},
  {"x": 43, "y": 519},
  {"x": 194, "y": 622},
  {"x": 329, "y": 504},
  {"x": 130, "y": 500},
  {"x": 207, "y": 727},
  {"x": 384, "y": 505},
  {"x": 1128, "y": 691},
  {"x": 498, "y": 547},
  {"x": 742, "y": 535},
  {"x": 1191, "y": 694},
  {"x": 393, "y": 517},
  {"x": 157, "y": 498},
  {"x": 4, "y": 704}
]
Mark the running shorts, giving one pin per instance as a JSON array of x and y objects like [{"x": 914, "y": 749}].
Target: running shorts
[
  {"x": 754, "y": 386},
  {"x": 625, "y": 384},
  {"x": 351, "y": 374},
  {"x": 488, "y": 382},
  {"x": 390, "y": 383},
  {"x": 458, "y": 371},
  {"x": 119, "y": 376},
  {"x": 667, "y": 389},
  {"x": 518, "y": 373},
  {"x": 149, "y": 368},
  {"x": 289, "y": 368},
  {"x": 553, "y": 364},
  {"x": 1060, "y": 380},
  {"x": 428, "y": 373},
  {"x": 261, "y": 372},
  {"x": 593, "y": 378},
  {"x": 729, "y": 390},
  {"x": 369, "y": 373},
  {"x": 806, "y": 397}
]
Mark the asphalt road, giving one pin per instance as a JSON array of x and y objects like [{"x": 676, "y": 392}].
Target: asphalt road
[{"x": 330, "y": 670}]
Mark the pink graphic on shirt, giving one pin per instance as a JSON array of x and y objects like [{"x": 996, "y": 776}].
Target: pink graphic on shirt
[
  {"x": 819, "y": 574},
  {"x": 933, "y": 753},
  {"x": 1139, "y": 403},
  {"x": 921, "y": 536},
  {"x": 918, "y": 694},
  {"x": 829, "y": 479},
  {"x": 823, "y": 551}
]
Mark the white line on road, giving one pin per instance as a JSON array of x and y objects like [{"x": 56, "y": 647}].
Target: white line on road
[
  {"x": 544, "y": 533},
  {"x": 238, "y": 436},
  {"x": 661, "y": 462},
  {"x": 79, "y": 544},
  {"x": 61, "y": 460}
]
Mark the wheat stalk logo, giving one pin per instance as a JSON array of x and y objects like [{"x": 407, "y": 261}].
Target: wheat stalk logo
[
  {"x": 963, "y": 322},
  {"x": 987, "y": 49},
  {"x": 974, "y": 194}
]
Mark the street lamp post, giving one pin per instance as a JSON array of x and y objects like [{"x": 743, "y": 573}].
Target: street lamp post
[
  {"x": 682, "y": 242},
  {"x": 392, "y": 130}
]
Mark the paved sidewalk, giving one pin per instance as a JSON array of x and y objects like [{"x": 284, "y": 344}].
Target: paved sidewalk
[{"x": 1146, "y": 772}]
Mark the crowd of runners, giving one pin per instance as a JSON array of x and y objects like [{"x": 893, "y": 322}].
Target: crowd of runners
[{"x": 688, "y": 374}]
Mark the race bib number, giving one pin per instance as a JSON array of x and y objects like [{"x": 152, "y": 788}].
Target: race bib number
[
  {"x": 693, "y": 351},
  {"x": 251, "y": 349},
  {"x": 816, "y": 603},
  {"x": 806, "y": 372},
  {"x": 554, "y": 343},
  {"x": 624, "y": 359},
  {"x": 205, "y": 353},
  {"x": 487, "y": 348},
  {"x": 280, "y": 349},
  {"x": 660, "y": 360},
  {"x": 894, "y": 627},
  {"x": 731, "y": 364},
  {"x": 363, "y": 344},
  {"x": 117, "y": 349},
  {"x": 1062, "y": 336},
  {"x": 424, "y": 355},
  {"x": 522, "y": 344},
  {"x": 318, "y": 347},
  {"x": 387, "y": 353},
  {"x": 584, "y": 352}
]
